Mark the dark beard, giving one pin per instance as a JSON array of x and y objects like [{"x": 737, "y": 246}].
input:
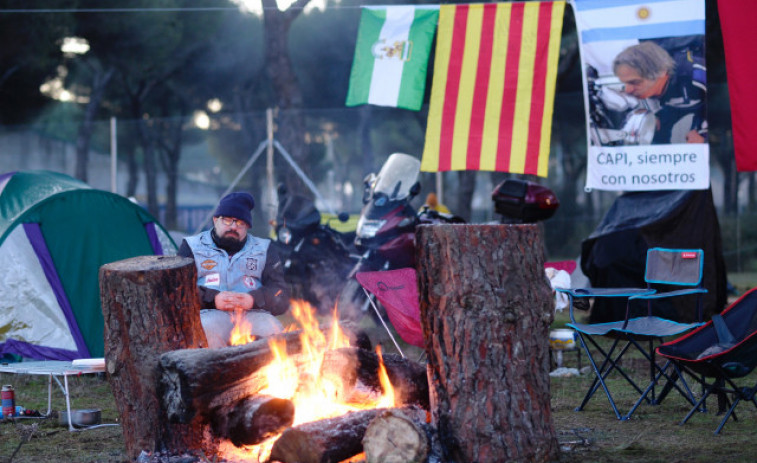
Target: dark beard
[{"x": 230, "y": 244}]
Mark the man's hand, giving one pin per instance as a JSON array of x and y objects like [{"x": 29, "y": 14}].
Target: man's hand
[
  {"x": 229, "y": 301},
  {"x": 694, "y": 137}
]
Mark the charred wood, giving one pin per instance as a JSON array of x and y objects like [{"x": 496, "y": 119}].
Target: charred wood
[
  {"x": 253, "y": 420},
  {"x": 408, "y": 378},
  {"x": 195, "y": 381},
  {"x": 324, "y": 441}
]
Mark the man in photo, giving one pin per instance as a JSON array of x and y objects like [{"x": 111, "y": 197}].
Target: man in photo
[{"x": 678, "y": 85}]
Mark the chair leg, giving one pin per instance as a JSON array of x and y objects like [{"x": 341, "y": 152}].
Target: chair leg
[
  {"x": 731, "y": 411},
  {"x": 601, "y": 372},
  {"x": 697, "y": 405}
]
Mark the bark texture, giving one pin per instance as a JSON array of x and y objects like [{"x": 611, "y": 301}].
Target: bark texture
[
  {"x": 150, "y": 306},
  {"x": 324, "y": 441},
  {"x": 196, "y": 381},
  {"x": 486, "y": 307}
]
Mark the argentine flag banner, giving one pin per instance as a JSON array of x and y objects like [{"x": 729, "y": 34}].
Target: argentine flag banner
[
  {"x": 391, "y": 56},
  {"x": 645, "y": 89}
]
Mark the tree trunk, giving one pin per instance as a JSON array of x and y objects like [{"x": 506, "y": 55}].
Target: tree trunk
[
  {"x": 485, "y": 310},
  {"x": 150, "y": 306},
  {"x": 289, "y": 99},
  {"x": 100, "y": 81},
  {"x": 466, "y": 187}
]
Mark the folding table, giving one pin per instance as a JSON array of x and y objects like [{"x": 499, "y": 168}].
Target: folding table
[{"x": 55, "y": 369}]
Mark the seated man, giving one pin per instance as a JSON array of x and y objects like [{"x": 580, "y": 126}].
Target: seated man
[{"x": 236, "y": 272}]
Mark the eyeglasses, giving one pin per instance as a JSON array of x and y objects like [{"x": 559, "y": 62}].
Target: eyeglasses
[{"x": 228, "y": 221}]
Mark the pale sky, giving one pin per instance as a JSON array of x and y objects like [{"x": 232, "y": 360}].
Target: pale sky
[{"x": 255, "y": 6}]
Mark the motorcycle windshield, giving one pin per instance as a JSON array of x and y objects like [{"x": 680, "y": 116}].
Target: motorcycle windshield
[{"x": 399, "y": 173}]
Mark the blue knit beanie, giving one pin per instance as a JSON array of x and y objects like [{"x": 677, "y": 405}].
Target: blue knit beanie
[{"x": 237, "y": 205}]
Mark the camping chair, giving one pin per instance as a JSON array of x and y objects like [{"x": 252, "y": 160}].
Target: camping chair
[
  {"x": 676, "y": 267},
  {"x": 724, "y": 349},
  {"x": 397, "y": 291}
]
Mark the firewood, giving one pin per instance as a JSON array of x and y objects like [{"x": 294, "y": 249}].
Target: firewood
[
  {"x": 395, "y": 437},
  {"x": 197, "y": 380},
  {"x": 324, "y": 441},
  {"x": 485, "y": 311},
  {"x": 253, "y": 419},
  {"x": 408, "y": 378},
  {"x": 150, "y": 306}
]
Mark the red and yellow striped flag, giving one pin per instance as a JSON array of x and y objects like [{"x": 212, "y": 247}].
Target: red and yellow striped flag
[{"x": 494, "y": 87}]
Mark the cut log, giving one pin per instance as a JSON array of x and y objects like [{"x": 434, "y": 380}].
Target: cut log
[
  {"x": 253, "y": 419},
  {"x": 195, "y": 381},
  {"x": 486, "y": 307},
  {"x": 395, "y": 437},
  {"x": 324, "y": 441},
  {"x": 408, "y": 378},
  {"x": 150, "y": 305}
]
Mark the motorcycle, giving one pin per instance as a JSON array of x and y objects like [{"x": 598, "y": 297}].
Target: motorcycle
[
  {"x": 385, "y": 235},
  {"x": 317, "y": 258},
  {"x": 617, "y": 118}
]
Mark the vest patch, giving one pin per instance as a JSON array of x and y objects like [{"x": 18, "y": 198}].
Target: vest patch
[
  {"x": 249, "y": 282},
  {"x": 214, "y": 279},
  {"x": 252, "y": 263},
  {"x": 208, "y": 264}
]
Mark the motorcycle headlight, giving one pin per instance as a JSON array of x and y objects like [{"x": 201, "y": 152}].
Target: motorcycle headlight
[
  {"x": 369, "y": 228},
  {"x": 284, "y": 235},
  {"x": 406, "y": 222}
]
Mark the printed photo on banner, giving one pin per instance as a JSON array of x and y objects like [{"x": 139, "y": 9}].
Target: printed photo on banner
[
  {"x": 645, "y": 92},
  {"x": 645, "y": 82}
]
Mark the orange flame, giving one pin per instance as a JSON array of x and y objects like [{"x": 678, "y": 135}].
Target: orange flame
[
  {"x": 240, "y": 334},
  {"x": 299, "y": 379}
]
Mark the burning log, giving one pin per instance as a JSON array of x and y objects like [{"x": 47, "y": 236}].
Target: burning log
[
  {"x": 196, "y": 381},
  {"x": 253, "y": 419},
  {"x": 485, "y": 310},
  {"x": 395, "y": 437},
  {"x": 408, "y": 378},
  {"x": 324, "y": 441}
]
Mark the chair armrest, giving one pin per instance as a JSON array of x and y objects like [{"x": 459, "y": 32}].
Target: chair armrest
[
  {"x": 678, "y": 292},
  {"x": 606, "y": 292}
]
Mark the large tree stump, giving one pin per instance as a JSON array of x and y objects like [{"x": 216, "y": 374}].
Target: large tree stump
[
  {"x": 486, "y": 307},
  {"x": 151, "y": 306}
]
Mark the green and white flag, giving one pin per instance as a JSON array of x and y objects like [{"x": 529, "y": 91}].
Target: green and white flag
[{"x": 391, "y": 56}]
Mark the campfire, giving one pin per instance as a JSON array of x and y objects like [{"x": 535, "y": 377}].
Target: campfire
[{"x": 316, "y": 392}]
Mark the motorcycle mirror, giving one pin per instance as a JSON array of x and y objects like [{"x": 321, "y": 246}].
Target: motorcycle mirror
[
  {"x": 415, "y": 189},
  {"x": 343, "y": 217}
]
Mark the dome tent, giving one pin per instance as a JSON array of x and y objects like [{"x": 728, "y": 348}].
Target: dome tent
[{"x": 55, "y": 233}]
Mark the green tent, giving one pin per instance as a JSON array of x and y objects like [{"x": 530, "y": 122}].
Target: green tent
[{"x": 55, "y": 234}]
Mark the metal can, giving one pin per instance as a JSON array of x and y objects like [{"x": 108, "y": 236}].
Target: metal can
[{"x": 8, "y": 398}]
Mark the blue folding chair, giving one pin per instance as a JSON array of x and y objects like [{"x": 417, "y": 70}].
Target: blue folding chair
[{"x": 680, "y": 268}]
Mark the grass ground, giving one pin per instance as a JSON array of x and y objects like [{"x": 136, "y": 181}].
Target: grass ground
[{"x": 592, "y": 435}]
